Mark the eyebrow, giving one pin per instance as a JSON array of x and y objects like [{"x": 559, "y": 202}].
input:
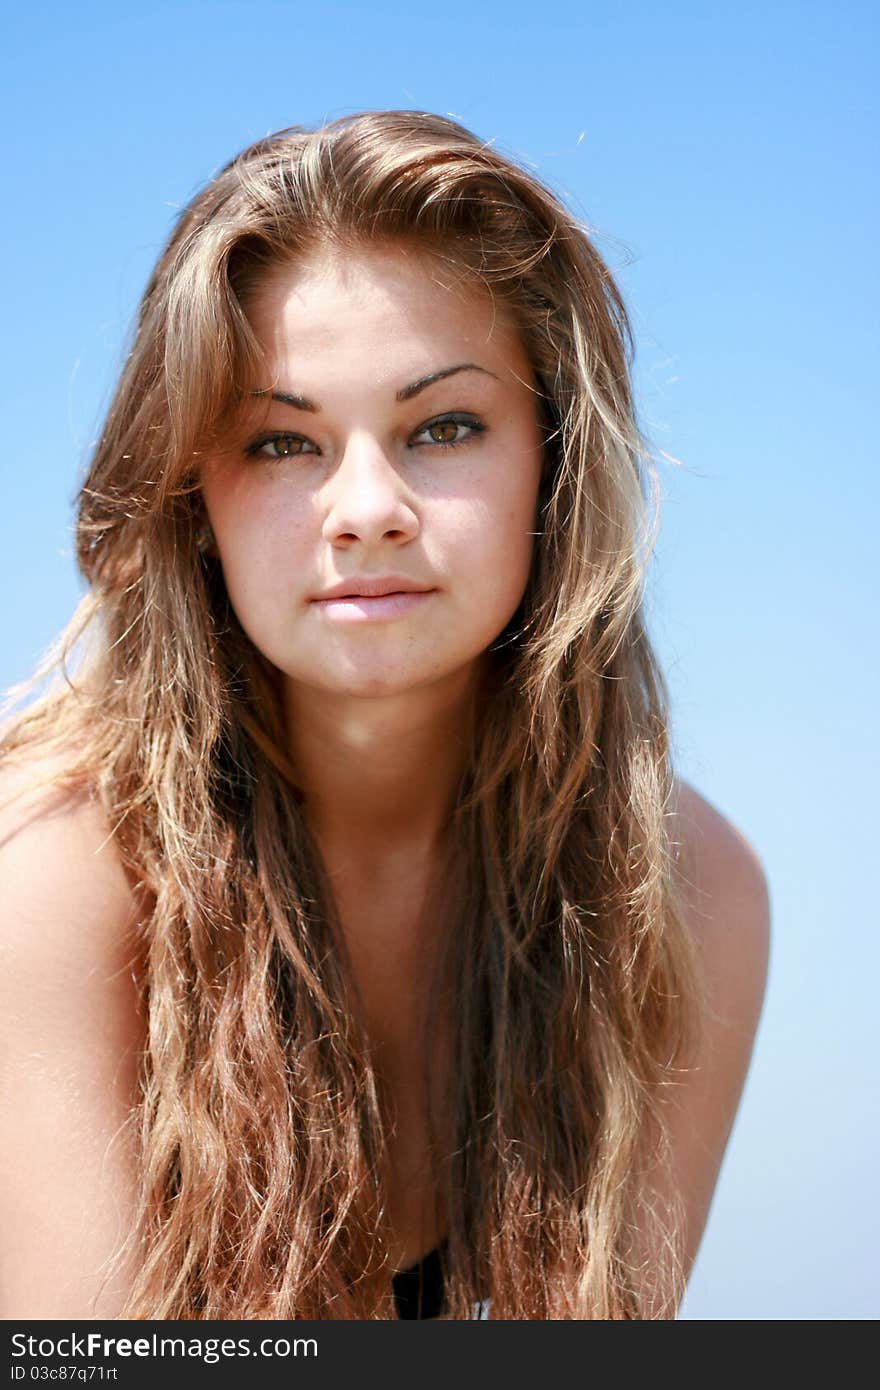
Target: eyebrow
[{"x": 406, "y": 393}]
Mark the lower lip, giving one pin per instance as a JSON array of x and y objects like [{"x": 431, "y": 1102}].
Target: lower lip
[{"x": 357, "y": 608}]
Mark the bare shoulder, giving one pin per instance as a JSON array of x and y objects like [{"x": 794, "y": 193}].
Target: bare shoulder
[
  {"x": 711, "y": 840},
  {"x": 70, "y": 1037},
  {"x": 68, "y": 901},
  {"x": 728, "y": 907},
  {"x": 729, "y": 902}
]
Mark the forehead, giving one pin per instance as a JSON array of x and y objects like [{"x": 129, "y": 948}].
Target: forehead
[{"x": 381, "y": 306}]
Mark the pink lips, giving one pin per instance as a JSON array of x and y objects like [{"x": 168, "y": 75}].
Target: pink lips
[{"x": 360, "y": 600}]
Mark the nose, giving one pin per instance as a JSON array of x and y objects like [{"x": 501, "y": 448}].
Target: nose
[{"x": 367, "y": 499}]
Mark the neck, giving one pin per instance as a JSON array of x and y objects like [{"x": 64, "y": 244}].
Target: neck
[{"x": 380, "y": 776}]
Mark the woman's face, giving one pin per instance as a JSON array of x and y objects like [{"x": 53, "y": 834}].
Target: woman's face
[{"x": 375, "y": 507}]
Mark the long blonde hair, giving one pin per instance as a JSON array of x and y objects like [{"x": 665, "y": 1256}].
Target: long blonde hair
[{"x": 569, "y": 967}]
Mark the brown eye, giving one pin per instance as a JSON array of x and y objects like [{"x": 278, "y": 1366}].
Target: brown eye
[
  {"x": 448, "y": 431},
  {"x": 285, "y": 445},
  {"x": 443, "y": 431},
  {"x": 280, "y": 446}
]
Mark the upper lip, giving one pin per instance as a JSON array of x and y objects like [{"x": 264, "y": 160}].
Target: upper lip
[{"x": 374, "y": 587}]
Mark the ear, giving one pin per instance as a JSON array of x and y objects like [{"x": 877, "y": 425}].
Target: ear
[{"x": 206, "y": 543}]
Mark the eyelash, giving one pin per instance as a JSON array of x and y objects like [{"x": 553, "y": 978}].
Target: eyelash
[{"x": 474, "y": 426}]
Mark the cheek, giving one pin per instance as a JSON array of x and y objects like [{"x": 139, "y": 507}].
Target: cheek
[
  {"x": 264, "y": 540},
  {"x": 492, "y": 534},
  {"x": 252, "y": 523},
  {"x": 507, "y": 509}
]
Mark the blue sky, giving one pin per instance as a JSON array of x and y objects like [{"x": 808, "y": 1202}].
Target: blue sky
[{"x": 726, "y": 158}]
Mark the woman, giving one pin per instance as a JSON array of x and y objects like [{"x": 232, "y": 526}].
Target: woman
[{"x": 357, "y": 928}]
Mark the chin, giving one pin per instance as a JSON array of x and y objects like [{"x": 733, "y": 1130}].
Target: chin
[
  {"x": 377, "y": 682},
  {"x": 374, "y": 687}
]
